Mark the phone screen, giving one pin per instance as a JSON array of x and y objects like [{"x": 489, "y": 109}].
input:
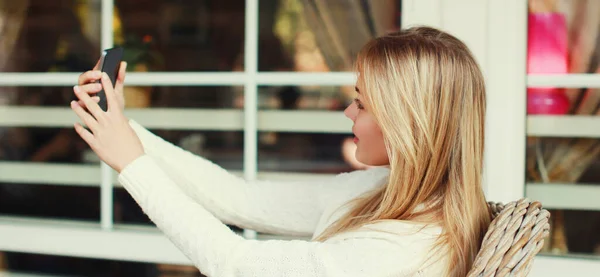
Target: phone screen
[{"x": 110, "y": 62}]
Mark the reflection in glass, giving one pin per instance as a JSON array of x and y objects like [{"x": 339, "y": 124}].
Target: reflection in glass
[
  {"x": 301, "y": 152},
  {"x": 306, "y": 152},
  {"x": 331, "y": 98},
  {"x": 41, "y": 36},
  {"x": 50, "y": 201},
  {"x": 188, "y": 35},
  {"x": 42, "y": 145},
  {"x": 49, "y": 265},
  {"x": 319, "y": 36},
  {"x": 181, "y": 97},
  {"x": 562, "y": 40}
]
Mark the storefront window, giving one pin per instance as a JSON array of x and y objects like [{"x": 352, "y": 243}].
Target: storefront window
[{"x": 563, "y": 148}]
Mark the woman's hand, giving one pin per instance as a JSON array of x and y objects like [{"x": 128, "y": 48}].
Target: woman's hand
[
  {"x": 111, "y": 137},
  {"x": 88, "y": 83}
]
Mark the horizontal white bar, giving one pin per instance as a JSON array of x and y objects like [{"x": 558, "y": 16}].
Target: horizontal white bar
[
  {"x": 563, "y": 126},
  {"x": 38, "y": 79},
  {"x": 304, "y": 121},
  {"x": 89, "y": 175},
  {"x": 564, "y": 80},
  {"x": 132, "y": 79},
  {"x": 187, "y": 119},
  {"x": 187, "y": 78},
  {"x": 87, "y": 240},
  {"x": 50, "y": 174},
  {"x": 307, "y": 78},
  {"x": 565, "y": 196},
  {"x": 158, "y": 118},
  {"x": 147, "y": 244},
  {"x": 569, "y": 265},
  {"x": 19, "y": 274}
]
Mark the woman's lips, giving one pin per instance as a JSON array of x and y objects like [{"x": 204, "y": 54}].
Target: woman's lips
[{"x": 355, "y": 139}]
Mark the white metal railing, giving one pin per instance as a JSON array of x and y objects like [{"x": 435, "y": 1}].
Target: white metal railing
[
  {"x": 302, "y": 121},
  {"x": 188, "y": 119},
  {"x": 189, "y": 78},
  {"x": 87, "y": 175},
  {"x": 22, "y": 274},
  {"x": 126, "y": 242},
  {"x": 563, "y": 126},
  {"x": 565, "y": 196},
  {"x": 564, "y": 80}
]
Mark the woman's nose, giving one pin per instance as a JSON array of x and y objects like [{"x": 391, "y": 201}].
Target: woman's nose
[{"x": 350, "y": 111}]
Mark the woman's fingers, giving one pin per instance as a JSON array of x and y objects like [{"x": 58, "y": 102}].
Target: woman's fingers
[
  {"x": 121, "y": 76},
  {"x": 111, "y": 98},
  {"x": 96, "y": 99},
  {"x": 89, "y": 104},
  {"x": 87, "y": 119},
  {"x": 89, "y": 77},
  {"x": 85, "y": 135},
  {"x": 91, "y": 88}
]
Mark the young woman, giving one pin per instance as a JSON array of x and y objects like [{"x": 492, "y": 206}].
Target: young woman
[{"x": 419, "y": 210}]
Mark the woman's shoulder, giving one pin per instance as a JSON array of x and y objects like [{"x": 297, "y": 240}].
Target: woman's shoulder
[
  {"x": 401, "y": 231},
  {"x": 348, "y": 185},
  {"x": 415, "y": 244}
]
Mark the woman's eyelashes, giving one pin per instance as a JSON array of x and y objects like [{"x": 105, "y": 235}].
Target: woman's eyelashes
[{"x": 358, "y": 104}]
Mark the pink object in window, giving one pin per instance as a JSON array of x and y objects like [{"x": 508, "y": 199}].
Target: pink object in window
[{"x": 547, "y": 53}]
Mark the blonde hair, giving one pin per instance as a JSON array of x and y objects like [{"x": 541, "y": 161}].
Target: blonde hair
[{"x": 427, "y": 94}]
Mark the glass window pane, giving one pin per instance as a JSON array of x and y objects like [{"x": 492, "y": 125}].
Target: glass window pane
[
  {"x": 43, "y": 145},
  {"x": 332, "y": 98},
  {"x": 320, "y": 36},
  {"x": 50, "y": 201},
  {"x": 183, "y": 97},
  {"x": 50, "y": 265},
  {"x": 561, "y": 40},
  {"x": 187, "y": 35},
  {"x": 302, "y": 153},
  {"x": 562, "y": 36},
  {"x": 565, "y": 166},
  {"x": 559, "y": 165},
  {"x": 32, "y": 149},
  {"x": 311, "y": 152},
  {"x": 37, "y": 96},
  {"x": 41, "y": 36}
]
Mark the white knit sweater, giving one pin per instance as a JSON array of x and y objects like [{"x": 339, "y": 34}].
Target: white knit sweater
[{"x": 190, "y": 199}]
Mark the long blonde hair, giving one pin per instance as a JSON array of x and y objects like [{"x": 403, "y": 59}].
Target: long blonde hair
[{"x": 427, "y": 94}]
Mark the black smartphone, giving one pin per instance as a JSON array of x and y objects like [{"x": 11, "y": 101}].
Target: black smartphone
[{"x": 110, "y": 62}]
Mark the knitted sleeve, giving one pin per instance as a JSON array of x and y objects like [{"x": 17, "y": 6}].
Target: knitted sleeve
[
  {"x": 287, "y": 208},
  {"x": 217, "y": 251}
]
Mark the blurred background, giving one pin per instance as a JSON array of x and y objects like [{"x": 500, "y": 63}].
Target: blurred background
[{"x": 198, "y": 69}]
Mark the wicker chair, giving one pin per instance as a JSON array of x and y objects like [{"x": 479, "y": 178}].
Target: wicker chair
[{"x": 515, "y": 236}]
